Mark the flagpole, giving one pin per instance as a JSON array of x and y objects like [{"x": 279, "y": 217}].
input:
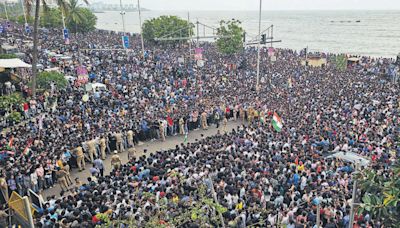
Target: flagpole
[{"x": 258, "y": 49}]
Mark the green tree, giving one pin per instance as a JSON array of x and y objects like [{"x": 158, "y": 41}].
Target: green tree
[
  {"x": 51, "y": 18},
  {"x": 80, "y": 19},
  {"x": 6, "y": 102},
  {"x": 21, "y": 19},
  {"x": 45, "y": 79},
  {"x": 231, "y": 36},
  {"x": 29, "y": 4},
  {"x": 381, "y": 195},
  {"x": 340, "y": 61},
  {"x": 8, "y": 56},
  {"x": 166, "y": 26}
]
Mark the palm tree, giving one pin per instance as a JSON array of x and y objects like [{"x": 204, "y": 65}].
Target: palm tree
[
  {"x": 74, "y": 14},
  {"x": 29, "y": 4}
]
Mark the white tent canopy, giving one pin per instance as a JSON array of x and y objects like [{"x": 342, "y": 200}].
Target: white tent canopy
[{"x": 13, "y": 63}]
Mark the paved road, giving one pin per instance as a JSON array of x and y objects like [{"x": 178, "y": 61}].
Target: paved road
[{"x": 150, "y": 146}]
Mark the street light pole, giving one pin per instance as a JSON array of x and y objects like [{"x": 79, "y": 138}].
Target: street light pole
[
  {"x": 353, "y": 199},
  {"x": 23, "y": 9},
  {"x": 122, "y": 15},
  {"x": 258, "y": 51},
  {"x": 190, "y": 39},
  {"x": 140, "y": 24},
  {"x": 63, "y": 17},
  {"x": 5, "y": 9}
]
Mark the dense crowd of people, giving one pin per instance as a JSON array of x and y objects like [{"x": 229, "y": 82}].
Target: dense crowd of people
[{"x": 260, "y": 176}]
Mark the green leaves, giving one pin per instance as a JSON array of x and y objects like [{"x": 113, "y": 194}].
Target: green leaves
[
  {"x": 8, "y": 56},
  {"x": 44, "y": 80},
  {"x": 79, "y": 19},
  {"x": 232, "y": 37},
  {"x": 166, "y": 27},
  {"x": 341, "y": 62},
  {"x": 381, "y": 195},
  {"x": 51, "y": 18},
  {"x": 7, "y": 101}
]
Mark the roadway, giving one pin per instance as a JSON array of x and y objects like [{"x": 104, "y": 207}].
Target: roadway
[{"x": 151, "y": 146}]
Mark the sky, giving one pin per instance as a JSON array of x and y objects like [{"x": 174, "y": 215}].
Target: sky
[{"x": 193, "y": 5}]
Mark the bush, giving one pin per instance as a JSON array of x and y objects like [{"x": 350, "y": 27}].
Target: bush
[
  {"x": 7, "y": 101},
  {"x": 234, "y": 43},
  {"x": 8, "y": 56},
  {"x": 16, "y": 117},
  {"x": 165, "y": 25},
  {"x": 44, "y": 80}
]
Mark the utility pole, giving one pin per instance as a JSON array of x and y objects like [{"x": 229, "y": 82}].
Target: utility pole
[
  {"x": 305, "y": 64},
  {"x": 353, "y": 199},
  {"x": 190, "y": 40},
  {"x": 140, "y": 24},
  {"x": 23, "y": 9},
  {"x": 258, "y": 51},
  {"x": 5, "y": 9},
  {"x": 198, "y": 36},
  {"x": 318, "y": 215},
  {"x": 123, "y": 16}
]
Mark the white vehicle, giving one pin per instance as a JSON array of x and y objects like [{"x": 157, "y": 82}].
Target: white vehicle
[
  {"x": 70, "y": 78},
  {"x": 99, "y": 87},
  {"x": 351, "y": 157}
]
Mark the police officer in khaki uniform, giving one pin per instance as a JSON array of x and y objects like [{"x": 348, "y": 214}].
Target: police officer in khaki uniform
[
  {"x": 120, "y": 146},
  {"x": 92, "y": 149},
  {"x": 181, "y": 126},
  {"x": 103, "y": 147},
  {"x": 130, "y": 138},
  {"x": 131, "y": 153},
  {"x": 80, "y": 158},
  {"x": 61, "y": 179},
  {"x": 162, "y": 131},
  {"x": 116, "y": 160},
  {"x": 204, "y": 124},
  {"x": 224, "y": 124},
  {"x": 242, "y": 114}
]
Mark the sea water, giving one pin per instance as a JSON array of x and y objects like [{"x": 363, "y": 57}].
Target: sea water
[{"x": 373, "y": 33}]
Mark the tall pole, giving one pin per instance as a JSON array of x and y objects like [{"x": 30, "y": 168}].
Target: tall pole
[
  {"x": 63, "y": 17},
  {"x": 23, "y": 9},
  {"x": 123, "y": 16},
  {"x": 198, "y": 35},
  {"x": 353, "y": 199},
  {"x": 140, "y": 24},
  {"x": 190, "y": 38},
  {"x": 28, "y": 212},
  {"x": 305, "y": 65},
  {"x": 318, "y": 215},
  {"x": 5, "y": 9},
  {"x": 258, "y": 49}
]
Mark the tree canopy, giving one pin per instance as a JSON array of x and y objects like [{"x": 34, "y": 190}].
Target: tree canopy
[
  {"x": 169, "y": 26},
  {"x": 8, "y": 56},
  {"x": 45, "y": 79},
  {"x": 81, "y": 20},
  {"x": 381, "y": 195},
  {"x": 231, "y": 40}
]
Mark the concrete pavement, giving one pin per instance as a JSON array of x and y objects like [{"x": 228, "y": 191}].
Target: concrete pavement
[{"x": 151, "y": 146}]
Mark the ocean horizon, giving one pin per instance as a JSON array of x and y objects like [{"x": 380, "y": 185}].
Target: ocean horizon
[{"x": 358, "y": 32}]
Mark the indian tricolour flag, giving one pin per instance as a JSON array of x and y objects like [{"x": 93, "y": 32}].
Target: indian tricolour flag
[{"x": 277, "y": 122}]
